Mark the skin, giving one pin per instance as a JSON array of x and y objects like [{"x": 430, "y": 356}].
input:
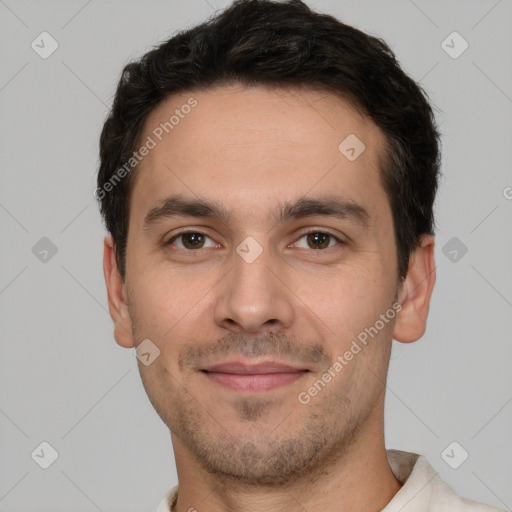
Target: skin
[{"x": 251, "y": 149}]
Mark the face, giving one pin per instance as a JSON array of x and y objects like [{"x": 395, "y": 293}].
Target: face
[{"x": 261, "y": 262}]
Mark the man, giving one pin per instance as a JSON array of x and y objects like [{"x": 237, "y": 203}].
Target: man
[{"x": 267, "y": 179}]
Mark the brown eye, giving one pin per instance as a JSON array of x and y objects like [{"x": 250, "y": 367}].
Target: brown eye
[
  {"x": 318, "y": 240},
  {"x": 189, "y": 240}
]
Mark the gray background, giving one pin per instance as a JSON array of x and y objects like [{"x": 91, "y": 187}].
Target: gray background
[{"x": 64, "y": 380}]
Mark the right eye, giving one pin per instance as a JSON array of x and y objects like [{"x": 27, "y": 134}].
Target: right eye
[{"x": 190, "y": 240}]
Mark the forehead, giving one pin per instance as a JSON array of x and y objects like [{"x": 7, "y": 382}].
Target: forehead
[{"x": 252, "y": 145}]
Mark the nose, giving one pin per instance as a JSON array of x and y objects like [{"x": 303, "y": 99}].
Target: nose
[{"x": 253, "y": 299}]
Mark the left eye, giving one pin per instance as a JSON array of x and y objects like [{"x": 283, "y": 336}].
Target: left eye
[{"x": 318, "y": 240}]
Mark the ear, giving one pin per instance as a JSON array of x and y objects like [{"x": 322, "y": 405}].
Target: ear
[
  {"x": 415, "y": 293},
  {"x": 117, "y": 303}
]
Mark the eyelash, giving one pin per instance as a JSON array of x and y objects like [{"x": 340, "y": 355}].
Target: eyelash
[{"x": 314, "y": 231}]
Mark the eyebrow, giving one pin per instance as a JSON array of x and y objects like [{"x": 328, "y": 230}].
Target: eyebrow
[{"x": 326, "y": 206}]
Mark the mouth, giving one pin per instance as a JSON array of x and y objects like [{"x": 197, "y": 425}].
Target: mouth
[{"x": 245, "y": 377}]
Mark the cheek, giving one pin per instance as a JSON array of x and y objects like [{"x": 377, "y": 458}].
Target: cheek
[
  {"x": 172, "y": 312},
  {"x": 164, "y": 299},
  {"x": 357, "y": 334},
  {"x": 348, "y": 297}
]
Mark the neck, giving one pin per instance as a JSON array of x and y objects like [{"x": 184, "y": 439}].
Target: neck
[{"x": 358, "y": 478}]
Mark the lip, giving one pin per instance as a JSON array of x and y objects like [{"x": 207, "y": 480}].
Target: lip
[
  {"x": 249, "y": 377},
  {"x": 242, "y": 368}
]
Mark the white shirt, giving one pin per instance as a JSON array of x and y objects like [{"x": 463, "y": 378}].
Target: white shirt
[{"x": 422, "y": 489}]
